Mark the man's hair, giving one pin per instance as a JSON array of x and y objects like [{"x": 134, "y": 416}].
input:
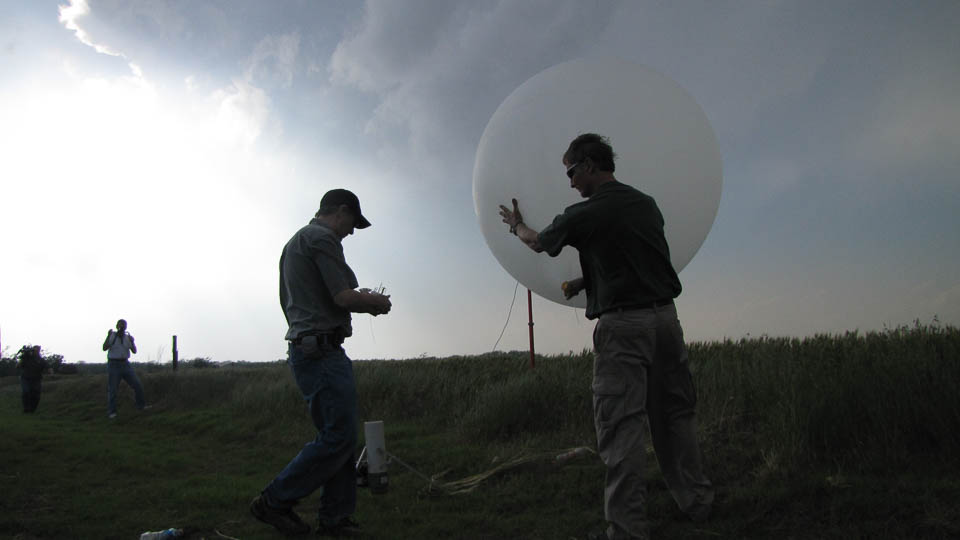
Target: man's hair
[
  {"x": 593, "y": 146},
  {"x": 326, "y": 210}
]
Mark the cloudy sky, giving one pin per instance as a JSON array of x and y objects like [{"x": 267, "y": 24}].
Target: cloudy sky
[{"x": 156, "y": 155}]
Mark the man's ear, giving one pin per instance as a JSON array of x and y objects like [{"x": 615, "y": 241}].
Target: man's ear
[{"x": 588, "y": 165}]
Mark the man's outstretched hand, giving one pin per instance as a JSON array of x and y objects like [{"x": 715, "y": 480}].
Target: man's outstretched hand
[{"x": 511, "y": 218}]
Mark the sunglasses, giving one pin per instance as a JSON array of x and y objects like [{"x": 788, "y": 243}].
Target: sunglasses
[{"x": 571, "y": 170}]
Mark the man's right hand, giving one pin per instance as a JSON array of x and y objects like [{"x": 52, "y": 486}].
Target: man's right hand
[
  {"x": 363, "y": 301},
  {"x": 511, "y": 218}
]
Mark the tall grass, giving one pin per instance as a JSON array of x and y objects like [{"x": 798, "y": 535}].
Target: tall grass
[
  {"x": 777, "y": 416},
  {"x": 492, "y": 397},
  {"x": 855, "y": 400},
  {"x": 860, "y": 401}
]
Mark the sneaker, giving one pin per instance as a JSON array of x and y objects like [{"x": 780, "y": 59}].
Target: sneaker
[
  {"x": 112, "y": 415},
  {"x": 286, "y": 521},
  {"x": 345, "y": 528}
]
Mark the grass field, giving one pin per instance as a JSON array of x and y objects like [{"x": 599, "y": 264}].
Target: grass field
[{"x": 843, "y": 436}]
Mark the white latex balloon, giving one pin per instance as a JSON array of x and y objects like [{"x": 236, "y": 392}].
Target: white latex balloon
[{"x": 664, "y": 144}]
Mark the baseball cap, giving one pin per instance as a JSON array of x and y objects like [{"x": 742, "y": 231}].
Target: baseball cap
[{"x": 336, "y": 197}]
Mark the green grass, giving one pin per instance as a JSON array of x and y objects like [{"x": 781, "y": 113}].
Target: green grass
[{"x": 847, "y": 436}]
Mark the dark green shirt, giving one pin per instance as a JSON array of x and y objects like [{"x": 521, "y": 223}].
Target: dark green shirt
[{"x": 624, "y": 256}]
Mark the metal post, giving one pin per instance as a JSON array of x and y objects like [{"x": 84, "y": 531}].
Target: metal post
[
  {"x": 175, "y": 353},
  {"x": 530, "y": 314}
]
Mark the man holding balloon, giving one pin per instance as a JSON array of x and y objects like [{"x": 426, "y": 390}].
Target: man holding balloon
[{"x": 640, "y": 362}]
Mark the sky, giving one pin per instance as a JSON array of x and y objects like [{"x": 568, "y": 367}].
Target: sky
[{"x": 156, "y": 155}]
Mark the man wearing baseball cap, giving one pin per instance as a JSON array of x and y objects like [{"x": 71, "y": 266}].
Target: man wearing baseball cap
[{"x": 318, "y": 291}]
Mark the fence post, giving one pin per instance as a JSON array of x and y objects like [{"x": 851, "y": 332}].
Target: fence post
[
  {"x": 175, "y": 353},
  {"x": 530, "y": 313}
]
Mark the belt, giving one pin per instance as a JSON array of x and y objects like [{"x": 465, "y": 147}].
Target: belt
[
  {"x": 645, "y": 305},
  {"x": 322, "y": 339}
]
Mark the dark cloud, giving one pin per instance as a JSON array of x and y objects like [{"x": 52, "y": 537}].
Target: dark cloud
[{"x": 440, "y": 69}]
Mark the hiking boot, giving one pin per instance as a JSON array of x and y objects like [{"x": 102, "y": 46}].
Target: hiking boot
[
  {"x": 285, "y": 520},
  {"x": 345, "y": 528}
]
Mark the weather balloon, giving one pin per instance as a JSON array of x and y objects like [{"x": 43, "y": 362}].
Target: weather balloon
[{"x": 664, "y": 144}]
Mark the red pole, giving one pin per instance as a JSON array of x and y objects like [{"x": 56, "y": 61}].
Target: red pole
[{"x": 530, "y": 313}]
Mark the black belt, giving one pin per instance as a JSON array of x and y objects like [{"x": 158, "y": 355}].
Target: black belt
[
  {"x": 645, "y": 305},
  {"x": 322, "y": 339}
]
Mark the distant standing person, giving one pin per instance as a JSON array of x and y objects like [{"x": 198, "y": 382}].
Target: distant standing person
[
  {"x": 640, "y": 366},
  {"x": 31, "y": 367},
  {"x": 318, "y": 291},
  {"x": 119, "y": 344}
]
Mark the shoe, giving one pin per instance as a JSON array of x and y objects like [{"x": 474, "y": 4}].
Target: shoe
[
  {"x": 286, "y": 521},
  {"x": 112, "y": 415},
  {"x": 598, "y": 535},
  {"x": 345, "y": 528}
]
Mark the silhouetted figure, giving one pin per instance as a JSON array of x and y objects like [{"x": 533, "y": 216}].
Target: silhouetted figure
[
  {"x": 31, "y": 366},
  {"x": 318, "y": 291},
  {"x": 119, "y": 344},
  {"x": 640, "y": 362}
]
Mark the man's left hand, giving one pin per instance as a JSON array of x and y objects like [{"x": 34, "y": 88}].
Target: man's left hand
[{"x": 572, "y": 288}]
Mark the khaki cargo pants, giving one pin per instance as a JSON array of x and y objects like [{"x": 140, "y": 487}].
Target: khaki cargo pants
[{"x": 640, "y": 369}]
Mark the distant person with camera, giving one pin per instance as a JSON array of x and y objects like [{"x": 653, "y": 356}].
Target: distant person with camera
[
  {"x": 31, "y": 366},
  {"x": 318, "y": 291},
  {"x": 119, "y": 344}
]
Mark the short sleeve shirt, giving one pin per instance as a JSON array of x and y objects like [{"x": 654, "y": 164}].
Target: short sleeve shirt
[
  {"x": 618, "y": 233},
  {"x": 313, "y": 270}
]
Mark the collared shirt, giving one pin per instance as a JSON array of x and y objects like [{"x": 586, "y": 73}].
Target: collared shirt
[
  {"x": 624, "y": 256},
  {"x": 312, "y": 271},
  {"x": 119, "y": 346}
]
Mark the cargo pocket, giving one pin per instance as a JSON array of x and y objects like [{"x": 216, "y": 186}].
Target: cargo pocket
[{"x": 608, "y": 411}]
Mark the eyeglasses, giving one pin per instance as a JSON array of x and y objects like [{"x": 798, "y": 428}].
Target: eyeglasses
[{"x": 571, "y": 170}]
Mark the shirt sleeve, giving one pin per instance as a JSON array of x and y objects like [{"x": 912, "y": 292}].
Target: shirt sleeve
[
  {"x": 558, "y": 234},
  {"x": 337, "y": 276}
]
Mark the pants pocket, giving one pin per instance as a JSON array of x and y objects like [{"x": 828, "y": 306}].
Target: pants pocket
[
  {"x": 609, "y": 406},
  {"x": 310, "y": 346}
]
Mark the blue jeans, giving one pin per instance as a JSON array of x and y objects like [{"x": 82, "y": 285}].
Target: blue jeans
[
  {"x": 118, "y": 370},
  {"x": 324, "y": 375}
]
